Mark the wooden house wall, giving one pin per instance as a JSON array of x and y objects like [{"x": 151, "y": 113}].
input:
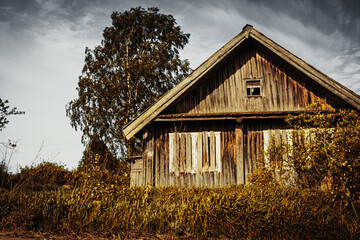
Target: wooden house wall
[
  {"x": 224, "y": 90},
  {"x": 156, "y": 156},
  {"x": 233, "y": 171},
  {"x": 254, "y": 141}
]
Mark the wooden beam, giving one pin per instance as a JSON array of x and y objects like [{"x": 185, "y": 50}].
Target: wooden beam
[
  {"x": 237, "y": 116},
  {"x": 239, "y": 157},
  {"x": 192, "y": 119},
  {"x": 231, "y": 114}
]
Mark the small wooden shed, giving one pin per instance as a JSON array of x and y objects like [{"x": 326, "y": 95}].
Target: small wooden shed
[{"x": 209, "y": 129}]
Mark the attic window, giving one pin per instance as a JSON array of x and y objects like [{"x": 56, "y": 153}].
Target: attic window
[{"x": 253, "y": 88}]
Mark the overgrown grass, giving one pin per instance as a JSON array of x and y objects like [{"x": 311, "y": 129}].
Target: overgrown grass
[{"x": 249, "y": 212}]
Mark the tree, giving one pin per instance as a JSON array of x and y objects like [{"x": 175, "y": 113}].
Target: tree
[
  {"x": 137, "y": 61},
  {"x": 5, "y": 112}
]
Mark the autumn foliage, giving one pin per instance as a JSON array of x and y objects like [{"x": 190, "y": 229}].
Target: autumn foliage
[{"x": 321, "y": 152}]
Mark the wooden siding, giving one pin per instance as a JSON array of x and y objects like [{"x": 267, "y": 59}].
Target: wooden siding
[
  {"x": 254, "y": 141},
  {"x": 136, "y": 173},
  {"x": 219, "y": 103},
  {"x": 156, "y": 170},
  {"x": 224, "y": 90},
  {"x": 238, "y": 156}
]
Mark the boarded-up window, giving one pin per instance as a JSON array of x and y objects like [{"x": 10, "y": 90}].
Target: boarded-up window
[
  {"x": 253, "y": 88},
  {"x": 195, "y": 152}
]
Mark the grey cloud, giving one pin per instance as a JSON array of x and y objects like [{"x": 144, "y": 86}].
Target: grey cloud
[{"x": 326, "y": 16}]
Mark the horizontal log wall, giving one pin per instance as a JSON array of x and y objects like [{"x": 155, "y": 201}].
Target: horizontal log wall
[{"x": 225, "y": 89}]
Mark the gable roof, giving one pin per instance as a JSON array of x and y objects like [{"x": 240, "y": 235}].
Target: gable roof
[{"x": 248, "y": 33}]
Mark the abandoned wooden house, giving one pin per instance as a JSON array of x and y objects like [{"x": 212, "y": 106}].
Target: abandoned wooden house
[{"x": 209, "y": 129}]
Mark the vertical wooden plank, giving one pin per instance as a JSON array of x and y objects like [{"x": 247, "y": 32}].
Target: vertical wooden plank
[
  {"x": 207, "y": 179},
  {"x": 182, "y": 152},
  {"x": 205, "y": 151},
  {"x": 217, "y": 151},
  {"x": 176, "y": 167},
  {"x": 194, "y": 152},
  {"x": 247, "y": 162},
  {"x": 232, "y": 81},
  {"x": 237, "y": 80},
  {"x": 144, "y": 156},
  {"x": 239, "y": 138},
  {"x": 223, "y": 158},
  {"x": 182, "y": 179},
  {"x": 212, "y": 155},
  {"x": 150, "y": 156},
  {"x": 162, "y": 159},
  {"x": 253, "y": 150},
  {"x": 233, "y": 157},
  {"x": 226, "y": 158},
  {"x": 188, "y": 159},
  {"x": 216, "y": 181},
  {"x": 200, "y": 159},
  {"x": 166, "y": 158},
  {"x": 157, "y": 170},
  {"x": 171, "y": 152},
  {"x": 146, "y": 163},
  {"x": 227, "y": 95},
  {"x": 221, "y": 94},
  {"x": 229, "y": 160},
  {"x": 277, "y": 163},
  {"x": 212, "y": 179}
]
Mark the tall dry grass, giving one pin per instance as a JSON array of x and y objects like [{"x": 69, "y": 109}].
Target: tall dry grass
[{"x": 250, "y": 212}]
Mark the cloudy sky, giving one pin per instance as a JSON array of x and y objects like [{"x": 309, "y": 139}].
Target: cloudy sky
[{"x": 42, "y": 47}]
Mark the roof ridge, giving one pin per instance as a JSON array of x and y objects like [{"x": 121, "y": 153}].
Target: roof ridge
[{"x": 247, "y": 32}]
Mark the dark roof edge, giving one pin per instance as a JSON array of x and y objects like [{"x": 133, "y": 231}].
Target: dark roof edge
[{"x": 248, "y": 32}]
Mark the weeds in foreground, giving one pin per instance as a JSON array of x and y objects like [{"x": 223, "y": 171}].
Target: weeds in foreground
[{"x": 233, "y": 212}]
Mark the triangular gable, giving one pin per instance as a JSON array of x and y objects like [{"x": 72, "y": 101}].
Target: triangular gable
[{"x": 248, "y": 32}]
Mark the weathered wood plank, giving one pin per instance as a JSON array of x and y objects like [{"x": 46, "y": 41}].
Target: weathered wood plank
[
  {"x": 150, "y": 156},
  {"x": 188, "y": 159},
  {"x": 205, "y": 151},
  {"x": 176, "y": 167},
  {"x": 212, "y": 155},
  {"x": 239, "y": 138},
  {"x": 182, "y": 151}
]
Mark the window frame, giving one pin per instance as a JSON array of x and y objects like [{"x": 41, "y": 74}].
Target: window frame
[{"x": 250, "y": 84}]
